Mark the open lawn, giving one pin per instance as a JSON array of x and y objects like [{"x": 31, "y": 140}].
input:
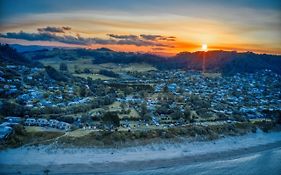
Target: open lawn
[
  {"x": 132, "y": 114},
  {"x": 87, "y": 63},
  {"x": 82, "y": 64},
  {"x": 79, "y": 132},
  {"x": 115, "y": 106},
  {"x": 94, "y": 76},
  {"x": 41, "y": 129},
  {"x": 212, "y": 75}
]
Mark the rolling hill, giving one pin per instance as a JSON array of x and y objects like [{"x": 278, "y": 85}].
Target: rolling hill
[{"x": 227, "y": 62}]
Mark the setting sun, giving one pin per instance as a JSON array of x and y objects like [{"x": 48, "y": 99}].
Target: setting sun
[{"x": 204, "y": 47}]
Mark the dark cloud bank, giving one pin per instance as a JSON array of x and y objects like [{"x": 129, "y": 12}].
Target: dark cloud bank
[{"x": 59, "y": 34}]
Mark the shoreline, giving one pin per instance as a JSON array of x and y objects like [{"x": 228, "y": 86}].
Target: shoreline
[{"x": 105, "y": 161}]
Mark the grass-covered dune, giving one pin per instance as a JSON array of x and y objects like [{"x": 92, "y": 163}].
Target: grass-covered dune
[
  {"x": 21, "y": 137},
  {"x": 197, "y": 132}
]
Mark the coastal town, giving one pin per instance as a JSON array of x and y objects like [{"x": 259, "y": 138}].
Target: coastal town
[
  {"x": 131, "y": 87},
  {"x": 156, "y": 99}
]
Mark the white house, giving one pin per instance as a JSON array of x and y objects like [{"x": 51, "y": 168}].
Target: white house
[
  {"x": 64, "y": 125},
  {"x": 30, "y": 122},
  {"x": 42, "y": 122},
  {"x": 5, "y": 131},
  {"x": 54, "y": 123}
]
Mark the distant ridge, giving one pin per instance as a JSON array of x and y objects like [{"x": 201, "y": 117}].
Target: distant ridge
[
  {"x": 10, "y": 55},
  {"x": 33, "y": 48},
  {"x": 231, "y": 61},
  {"x": 30, "y": 48},
  {"x": 104, "y": 49},
  {"x": 227, "y": 62}
]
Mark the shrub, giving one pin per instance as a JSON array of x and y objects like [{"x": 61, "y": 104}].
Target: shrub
[
  {"x": 111, "y": 120},
  {"x": 54, "y": 74},
  {"x": 10, "y": 108},
  {"x": 63, "y": 67},
  {"x": 108, "y": 73}
]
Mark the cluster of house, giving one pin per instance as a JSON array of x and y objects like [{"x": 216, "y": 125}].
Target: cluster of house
[
  {"x": 6, "y": 128},
  {"x": 245, "y": 94},
  {"x": 11, "y": 76},
  {"x": 31, "y": 87},
  {"x": 50, "y": 123},
  {"x": 53, "y": 100},
  {"x": 248, "y": 94},
  {"x": 5, "y": 131}
]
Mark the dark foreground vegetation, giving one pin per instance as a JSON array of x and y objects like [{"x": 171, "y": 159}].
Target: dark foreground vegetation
[
  {"x": 195, "y": 132},
  {"x": 132, "y": 138},
  {"x": 21, "y": 137}
]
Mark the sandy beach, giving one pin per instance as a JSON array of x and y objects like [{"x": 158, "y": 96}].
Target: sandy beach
[{"x": 34, "y": 160}]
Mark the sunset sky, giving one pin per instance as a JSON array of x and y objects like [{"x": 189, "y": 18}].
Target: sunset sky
[{"x": 159, "y": 26}]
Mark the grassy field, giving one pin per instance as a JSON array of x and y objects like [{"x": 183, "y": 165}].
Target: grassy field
[
  {"x": 212, "y": 75},
  {"x": 79, "y": 133},
  {"x": 116, "y": 106},
  {"x": 132, "y": 114},
  {"x": 87, "y": 63},
  {"x": 82, "y": 64},
  {"x": 41, "y": 129},
  {"x": 146, "y": 134},
  {"x": 94, "y": 76}
]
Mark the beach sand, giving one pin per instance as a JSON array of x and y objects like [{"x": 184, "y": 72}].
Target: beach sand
[{"x": 34, "y": 160}]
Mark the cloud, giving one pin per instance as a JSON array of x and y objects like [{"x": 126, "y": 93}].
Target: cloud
[
  {"x": 58, "y": 34},
  {"x": 126, "y": 37},
  {"x": 158, "y": 48},
  {"x": 54, "y": 29},
  {"x": 137, "y": 40},
  {"x": 44, "y": 36},
  {"x": 158, "y": 37},
  {"x": 66, "y": 28},
  {"x": 143, "y": 37}
]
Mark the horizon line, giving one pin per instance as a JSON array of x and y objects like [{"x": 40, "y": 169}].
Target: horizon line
[{"x": 169, "y": 54}]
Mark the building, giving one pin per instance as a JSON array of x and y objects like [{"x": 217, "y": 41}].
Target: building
[
  {"x": 5, "y": 131},
  {"x": 53, "y": 123},
  {"x": 15, "y": 120},
  {"x": 42, "y": 122},
  {"x": 30, "y": 122},
  {"x": 64, "y": 126}
]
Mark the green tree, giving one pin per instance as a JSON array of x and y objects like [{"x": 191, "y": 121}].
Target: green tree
[
  {"x": 63, "y": 67},
  {"x": 54, "y": 74},
  {"x": 165, "y": 89},
  {"x": 111, "y": 120},
  {"x": 187, "y": 113},
  {"x": 77, "y": 69},
  {"x": 176, "y": 115},
  {"x": 143, "y": 109},
  {"x": 147, "y": 117},
  {"x": 123, "y": 107},
  {"x": 83, "y": 91}
]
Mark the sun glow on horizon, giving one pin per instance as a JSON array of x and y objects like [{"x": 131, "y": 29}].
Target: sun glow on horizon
[{"x": 204, "y": 47}]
